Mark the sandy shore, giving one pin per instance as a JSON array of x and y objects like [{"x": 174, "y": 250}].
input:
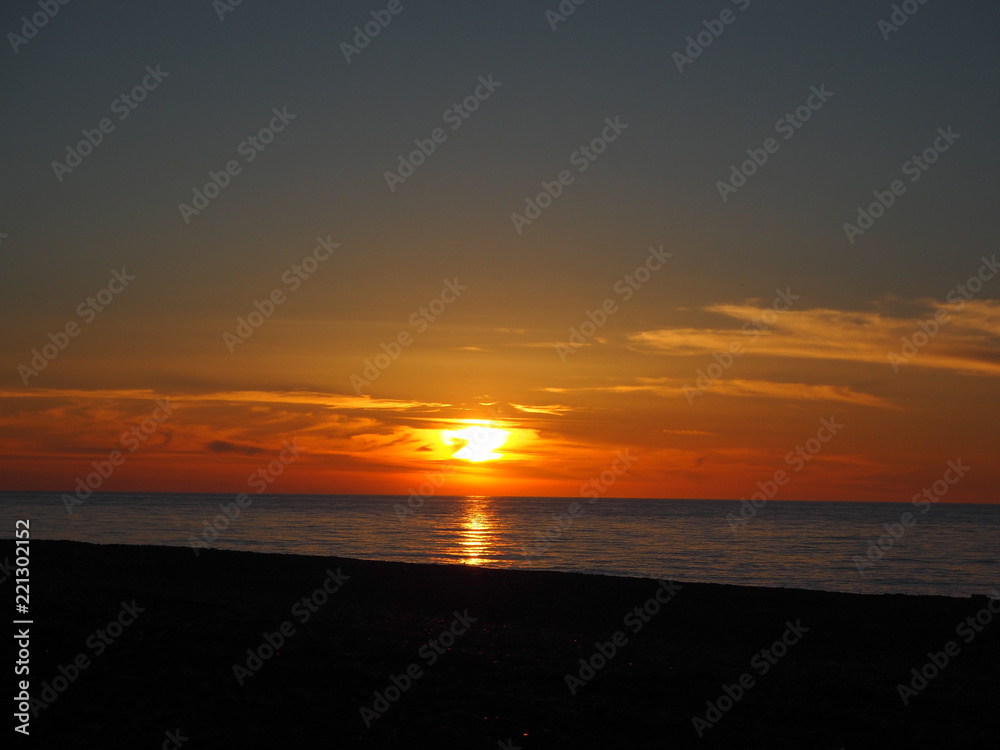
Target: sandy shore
[{"x": 470, "y": 658}]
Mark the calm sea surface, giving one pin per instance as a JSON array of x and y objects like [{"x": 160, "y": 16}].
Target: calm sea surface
[{"x": 951, "y": 549}]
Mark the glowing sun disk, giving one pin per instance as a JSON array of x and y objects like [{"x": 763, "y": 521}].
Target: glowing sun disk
[{"x": 480, "y": 443}]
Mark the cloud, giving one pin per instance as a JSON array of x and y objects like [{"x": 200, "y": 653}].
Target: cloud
[
  {"x": 674, "y": 387},
  {"x": 231, "y": 423},
  {"x": 965, "y": 342},
  {"x": 332, "y": 400},
  {"x": 224, "y": 446},
  {"x": 799, "y": 391},
  {"x": 555, "y": 410}
]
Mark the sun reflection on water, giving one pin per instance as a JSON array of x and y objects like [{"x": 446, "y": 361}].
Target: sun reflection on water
[{"x": 477, "y": 530}]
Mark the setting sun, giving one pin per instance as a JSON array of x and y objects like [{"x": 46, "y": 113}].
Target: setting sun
[{"x": 480, "y": 442}]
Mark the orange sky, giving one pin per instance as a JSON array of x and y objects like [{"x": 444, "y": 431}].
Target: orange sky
[{"x": 624, "y": 390}]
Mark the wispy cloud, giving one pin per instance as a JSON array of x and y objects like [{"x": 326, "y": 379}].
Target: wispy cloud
[
  {"x": 223, "y": 423},
  {"x": 313, "y": 398},
  {"x": 674, "y": 387},
  {"x": 967, "y": 342},
  {"x": 225, "y": 446},
  {"x": 552, "y": 409}
]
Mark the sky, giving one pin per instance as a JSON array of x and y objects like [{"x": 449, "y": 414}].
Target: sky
[{"x": 635, "y": 241}]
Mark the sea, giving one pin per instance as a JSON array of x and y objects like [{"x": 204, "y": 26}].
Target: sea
[{"x": 870, "y": 548}]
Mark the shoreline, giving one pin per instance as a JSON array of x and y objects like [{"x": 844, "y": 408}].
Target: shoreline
[
  {"x": 486, "y": 566},
  {"x": 486, "y": 655}
]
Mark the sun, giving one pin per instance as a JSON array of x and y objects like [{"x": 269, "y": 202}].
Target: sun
[{"x": 479, "y": 442}]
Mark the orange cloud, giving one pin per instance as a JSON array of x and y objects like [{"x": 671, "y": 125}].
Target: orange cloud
[
  {"x": 675, "y": 387},
  {"x": 965, "y": 342}
]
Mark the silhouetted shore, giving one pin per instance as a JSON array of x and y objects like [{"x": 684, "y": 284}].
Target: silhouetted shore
[{"x": 142, "y": 646}]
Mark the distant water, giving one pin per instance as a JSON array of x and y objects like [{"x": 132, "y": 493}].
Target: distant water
[{"x": 951, "y": 550}]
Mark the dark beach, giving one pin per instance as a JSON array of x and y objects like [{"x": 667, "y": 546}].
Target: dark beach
[{"x": 496, "y": 675}]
